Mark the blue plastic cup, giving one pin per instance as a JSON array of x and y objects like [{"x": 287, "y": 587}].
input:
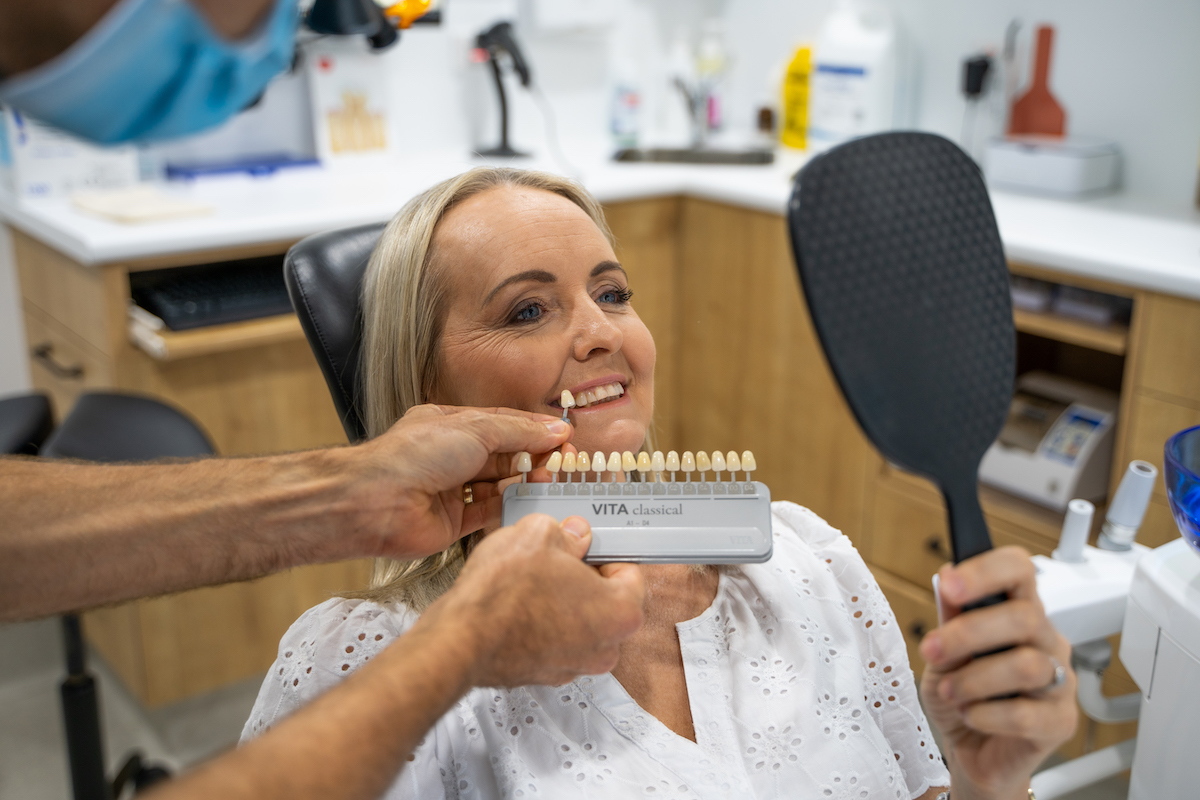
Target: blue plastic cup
[{"x": 1182, "y": 474}]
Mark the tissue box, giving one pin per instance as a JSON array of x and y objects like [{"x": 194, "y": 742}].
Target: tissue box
[
  {"x": 1067, "y": 167},
  {"x": 39, "y": 161}
]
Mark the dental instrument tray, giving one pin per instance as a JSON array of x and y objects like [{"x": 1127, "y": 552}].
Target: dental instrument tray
[{"x": 657, "y": 521}]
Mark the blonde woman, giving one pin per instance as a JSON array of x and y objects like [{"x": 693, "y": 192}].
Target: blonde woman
[{"x": 786, "y": 679}]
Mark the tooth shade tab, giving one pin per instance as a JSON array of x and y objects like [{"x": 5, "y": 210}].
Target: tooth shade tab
[
  {"x": 598, "y": 464},
  {"x": 524, "y": 462},
  {"x": 748, "y": 461},
  {"x": 672, "y": 464},
  {"x": 581, "y": 463},
  {"x": 687, "y": 463},
  {"x": 718, "y": 461},
  {"x": 568, "y": 463},
  {"x": 643, "y": 462},
  {"x": 657, "y": 462},
  {"x": 628, "y": 462},
  {"x": 567, "y": 400},
  {"x": 614, "y": 461},
  {"x": 732, "y": 461},
  {"x": 703, "y": 463},
  {"x": 555, "y": 463}
]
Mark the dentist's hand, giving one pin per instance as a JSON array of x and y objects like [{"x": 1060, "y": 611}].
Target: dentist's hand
[
  {"x": 406, "y": 486},
  {"x": 993, "y": 745},
  {"x": 533, "y": 612}
]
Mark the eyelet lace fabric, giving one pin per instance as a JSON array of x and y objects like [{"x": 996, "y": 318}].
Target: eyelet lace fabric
[{"x": 797, "y": 675}]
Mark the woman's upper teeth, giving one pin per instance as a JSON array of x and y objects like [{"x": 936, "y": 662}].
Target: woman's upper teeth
[{"x": 599, "y": 394}]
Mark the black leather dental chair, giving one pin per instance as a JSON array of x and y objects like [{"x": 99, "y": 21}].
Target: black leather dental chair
[
  {"x": 26, "y": 421},
  {"x": 324, "y": 279},
  {"x": 111, "y": 427}
]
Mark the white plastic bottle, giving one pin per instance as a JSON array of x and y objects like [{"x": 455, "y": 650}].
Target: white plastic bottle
[{"x": 855, "y": 84}]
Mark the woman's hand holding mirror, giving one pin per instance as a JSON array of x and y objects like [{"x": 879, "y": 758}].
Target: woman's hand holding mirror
[{"x": 1000, "y": 714}]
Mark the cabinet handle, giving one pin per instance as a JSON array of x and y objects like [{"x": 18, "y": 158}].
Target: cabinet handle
[
  {"x": 917, "y": 629},
  {"x": 934, "y": 545},
  {"x": 45, "y": 353}
]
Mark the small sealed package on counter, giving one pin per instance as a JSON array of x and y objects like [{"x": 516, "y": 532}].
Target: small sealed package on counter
[{"x": 1053, "y": 165}]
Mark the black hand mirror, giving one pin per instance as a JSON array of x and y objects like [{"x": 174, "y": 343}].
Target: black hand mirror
[{"x": 905, "y": 278}]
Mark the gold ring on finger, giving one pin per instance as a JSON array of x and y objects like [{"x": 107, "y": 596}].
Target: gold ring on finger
[{"x": 468, "y": 494}]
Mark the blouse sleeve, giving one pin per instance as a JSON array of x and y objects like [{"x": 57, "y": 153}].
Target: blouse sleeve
[
  {"x": 327, "y": 644},
  {"x": 892, "y": 696}
]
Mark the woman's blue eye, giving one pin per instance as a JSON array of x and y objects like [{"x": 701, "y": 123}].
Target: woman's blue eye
[
  {"x": 616, "y": 296},
  {"x": 528, "y": 314}
]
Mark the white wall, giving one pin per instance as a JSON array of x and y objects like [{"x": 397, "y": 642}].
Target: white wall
[{"x": 1122, "y": 69}]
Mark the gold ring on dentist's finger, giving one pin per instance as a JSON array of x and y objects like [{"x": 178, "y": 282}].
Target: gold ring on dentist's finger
[{"x": 468, "y": 494}]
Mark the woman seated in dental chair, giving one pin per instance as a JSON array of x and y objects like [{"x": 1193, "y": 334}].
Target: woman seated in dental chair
[{"x": 785, "y": 679}]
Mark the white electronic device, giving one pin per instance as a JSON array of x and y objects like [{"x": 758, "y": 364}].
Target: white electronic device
[
  {"x": 1056, "y": 444},
  {"x": 658, "y": 519}
]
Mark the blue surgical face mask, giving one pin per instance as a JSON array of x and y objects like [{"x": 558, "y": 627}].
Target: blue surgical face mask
[{"x": 154, "y": 69}]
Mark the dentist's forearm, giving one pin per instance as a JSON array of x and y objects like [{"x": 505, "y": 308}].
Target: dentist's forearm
[{"x": 74, "y": 536}]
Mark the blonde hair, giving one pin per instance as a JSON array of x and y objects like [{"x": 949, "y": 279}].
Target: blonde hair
[{"x": 403, "y": 307}]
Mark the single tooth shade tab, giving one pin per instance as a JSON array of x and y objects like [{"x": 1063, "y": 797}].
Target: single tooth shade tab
[
  {"x": 598, "y": 464},
  {"x": 568, "y": 464},
  {"x": 732, "y": 461},
  {"x": 687, "y": 463},
  {"x": 672, "y": 461},
  {"x": 582, "y": 463},
  {"x": 567, "y": 400},
  {"x": 524, "y": 465},
  {"x": 703, "y": 463},
  {"x": 628, "y": 462},
  {"x": 718, "y": 461},
  {"x": 643, "y": 462},
  {"x": 554, "y": 464},
  {"x": 581, "y": 399},
  {"x": 614, "y": 461},
  {"x": 657, "y": 462},
  {"x": 748, "y": 461}
]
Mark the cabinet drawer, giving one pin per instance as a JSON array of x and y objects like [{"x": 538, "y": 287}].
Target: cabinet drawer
[
  {"x": 915, "y": 612},
  {"x": 73, "y": 295},
  {"x": 1151, "y": 423},
  {"x": 1170, "y": 346},
  {"x": 911, "y": 537},
  {"x": 60, "y": 365}
]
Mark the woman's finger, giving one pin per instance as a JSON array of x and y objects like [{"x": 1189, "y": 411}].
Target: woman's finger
[
  {"x": 1021, "y": 670},
  {"x": 1029, "y": 718},
  {"x": 1005, "y": 570},
  {"x": 1013, "y": 622}
]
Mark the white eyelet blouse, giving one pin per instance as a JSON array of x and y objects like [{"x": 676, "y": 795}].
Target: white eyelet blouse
[{"x": 797, "y": 675}]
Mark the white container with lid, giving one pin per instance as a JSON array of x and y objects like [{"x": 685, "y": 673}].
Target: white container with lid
[{"x": 1066, "y": 167}]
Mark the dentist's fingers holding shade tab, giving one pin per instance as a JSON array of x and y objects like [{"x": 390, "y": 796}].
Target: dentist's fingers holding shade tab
[{"x": 1003, "y": 713}]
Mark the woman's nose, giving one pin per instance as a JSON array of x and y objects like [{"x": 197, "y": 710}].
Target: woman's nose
[{"x": 595, "y": 332}]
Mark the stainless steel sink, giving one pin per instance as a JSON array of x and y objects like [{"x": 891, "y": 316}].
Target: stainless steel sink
[{"x": 693, "y": 155}]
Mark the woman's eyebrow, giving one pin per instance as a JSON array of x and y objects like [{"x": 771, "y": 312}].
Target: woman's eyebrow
[
  {"x": 539, "y": 275},
  {"x": 606, "y": 266}
]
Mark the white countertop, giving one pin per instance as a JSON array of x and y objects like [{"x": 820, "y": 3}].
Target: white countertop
[{"x": 1115, "y": 239}]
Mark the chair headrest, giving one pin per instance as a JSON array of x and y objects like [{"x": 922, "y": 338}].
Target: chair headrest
[{"x": 324, "y": 279}]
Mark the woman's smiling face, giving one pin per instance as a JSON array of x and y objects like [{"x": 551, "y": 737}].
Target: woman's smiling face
[{"x": 535, "y": 303}]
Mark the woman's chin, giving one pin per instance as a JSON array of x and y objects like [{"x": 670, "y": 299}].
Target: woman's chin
[{"x": 609, "y": 435}]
